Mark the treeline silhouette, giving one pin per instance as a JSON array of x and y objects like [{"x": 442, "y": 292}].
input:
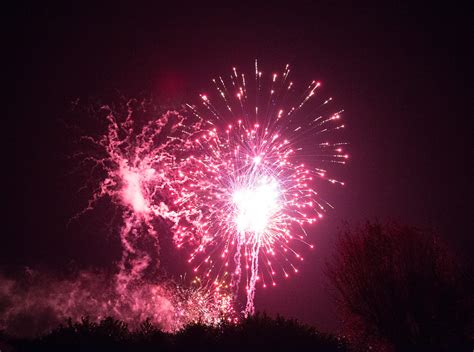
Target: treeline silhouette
[{"x": 256, "y": 333}]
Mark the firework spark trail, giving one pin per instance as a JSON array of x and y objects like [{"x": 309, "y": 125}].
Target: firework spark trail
[{"x": 245, "y": 195}]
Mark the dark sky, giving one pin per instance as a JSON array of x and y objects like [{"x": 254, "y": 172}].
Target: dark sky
[{"x": 401, "y": 72}]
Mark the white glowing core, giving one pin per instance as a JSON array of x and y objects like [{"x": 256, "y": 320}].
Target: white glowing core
[
  {"x": 255, "y": 205},
  {"x": 132, "y": 192}
]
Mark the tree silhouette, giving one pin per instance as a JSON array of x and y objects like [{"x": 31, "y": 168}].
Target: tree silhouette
[{"x": 400, "y": 285}]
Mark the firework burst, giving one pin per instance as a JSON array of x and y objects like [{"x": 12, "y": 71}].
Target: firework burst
[{"x": 245, "y": 191}]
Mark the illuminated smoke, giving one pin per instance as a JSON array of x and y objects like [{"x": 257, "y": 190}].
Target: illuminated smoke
[{"x": 37, "y": 303}]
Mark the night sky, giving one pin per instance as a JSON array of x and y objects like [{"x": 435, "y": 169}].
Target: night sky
[{"x": 400, "y": 72}]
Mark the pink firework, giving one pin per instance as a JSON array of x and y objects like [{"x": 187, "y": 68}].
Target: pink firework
[
  {"x": 236, "y": 178},
  {"x": 245, "y": 192}
]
